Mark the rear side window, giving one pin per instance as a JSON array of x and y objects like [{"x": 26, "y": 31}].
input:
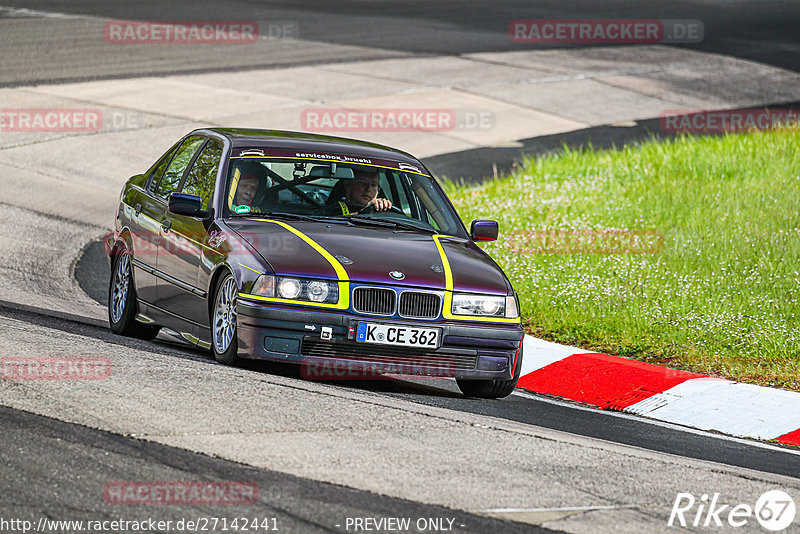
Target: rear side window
[
  {"x": 202, "y": 176},
  {"x": 172, "y": 176}
]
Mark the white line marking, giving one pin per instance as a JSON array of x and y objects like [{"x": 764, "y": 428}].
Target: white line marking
[
  {"x": 13, "y": 12},
  {"x": 538, "y": 353},
  {"x": 671, "y": 426},
  {"x": 743, "y": 410},
  {"x": 565, "y": 509}
]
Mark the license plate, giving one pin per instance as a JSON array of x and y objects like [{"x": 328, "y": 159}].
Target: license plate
[{"x": 392, "y": 334}]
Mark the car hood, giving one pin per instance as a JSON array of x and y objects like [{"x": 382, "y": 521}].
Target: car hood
[{"x": 368, "y": 255}]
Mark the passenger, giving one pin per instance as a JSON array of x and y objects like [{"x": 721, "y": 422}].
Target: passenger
[{"x": 246, "y": 191}]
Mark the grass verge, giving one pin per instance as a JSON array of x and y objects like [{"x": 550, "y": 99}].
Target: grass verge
[{"x": 682, "y": 253}]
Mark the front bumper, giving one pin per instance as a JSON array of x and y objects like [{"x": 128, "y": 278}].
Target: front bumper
[{"x": 324, "y": 341}]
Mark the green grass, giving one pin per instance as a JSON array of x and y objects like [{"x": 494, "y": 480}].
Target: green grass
[{"x": 721, "y": 297}]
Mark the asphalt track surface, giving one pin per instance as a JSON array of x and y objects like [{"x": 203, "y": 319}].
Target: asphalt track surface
[
  {"x": 92, "y": 270},
  {"x": 764, "y": 31},
  {"x": 761, "y": 31},
  {"x": 57, "y": 454}
]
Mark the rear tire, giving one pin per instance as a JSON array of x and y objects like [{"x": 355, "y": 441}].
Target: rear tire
[
  {"x": 224, "y": 335},
  {"x": 491, "y": 389},
  {"x": 122, "y": 301}
]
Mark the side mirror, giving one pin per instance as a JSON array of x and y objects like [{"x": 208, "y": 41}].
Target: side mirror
[
  {"x": 483, "y": 230},
  {"x": 184, "y": 204}
]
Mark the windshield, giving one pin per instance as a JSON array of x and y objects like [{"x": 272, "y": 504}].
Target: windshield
[{"x": 363, "y": 190}]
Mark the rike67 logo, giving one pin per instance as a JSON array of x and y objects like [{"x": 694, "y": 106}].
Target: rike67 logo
[{"x": 774, "y": 510}]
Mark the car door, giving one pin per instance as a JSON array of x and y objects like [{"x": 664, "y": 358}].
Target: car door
[
  {"x": 183, "y": 250},
  {"x": 144, "y": 222},
  {"x": 159, "y": 191}
]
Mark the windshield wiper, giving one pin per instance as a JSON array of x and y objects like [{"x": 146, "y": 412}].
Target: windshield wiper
[
  {"x": 295, "y": 216},
  {"x": 282, "y": 215},
  {"x": 378, "y": 221}
]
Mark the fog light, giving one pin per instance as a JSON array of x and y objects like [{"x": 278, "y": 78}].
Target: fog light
[{"x": 492, "y": 363}]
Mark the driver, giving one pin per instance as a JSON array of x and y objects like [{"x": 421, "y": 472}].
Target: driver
[{"x": 362, "y": 192}]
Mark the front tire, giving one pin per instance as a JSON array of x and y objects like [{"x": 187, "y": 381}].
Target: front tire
[
  {"x": 122, "y": 301},
  {"x": 491, "y": 389},
  {"x": 224, "y": 337}
]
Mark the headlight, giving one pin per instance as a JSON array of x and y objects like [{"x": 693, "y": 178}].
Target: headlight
[
  {"x": 264, "y": 286},
  {"x": 310, "y": 290},
  {"x": 289, "y": 288},
  {"x": 485, "y": 305},
  {"x": 317, "y": 291}
]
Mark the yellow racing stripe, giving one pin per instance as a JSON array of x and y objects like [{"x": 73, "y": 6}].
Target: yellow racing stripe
[
  {"x": 447, "y": 309},
  {"x": 341, "y": 273}
]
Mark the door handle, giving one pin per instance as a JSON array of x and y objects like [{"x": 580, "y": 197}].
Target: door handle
[
  {"x": 137, "y": 209},
  {"x": 166, "y": 225}
]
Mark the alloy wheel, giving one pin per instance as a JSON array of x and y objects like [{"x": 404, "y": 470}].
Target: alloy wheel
[
  {"x": 119, "y": 292},
  {"x": 225, "y": 315}
]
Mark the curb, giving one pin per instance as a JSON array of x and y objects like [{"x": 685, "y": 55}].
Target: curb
[{"x": 688, "y": 399}]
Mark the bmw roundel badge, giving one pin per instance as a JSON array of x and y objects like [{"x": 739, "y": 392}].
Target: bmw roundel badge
[{"x": 397, "y": 275}]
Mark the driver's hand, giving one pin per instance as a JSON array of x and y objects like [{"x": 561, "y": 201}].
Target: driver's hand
[{"x": 381, "y": 204}]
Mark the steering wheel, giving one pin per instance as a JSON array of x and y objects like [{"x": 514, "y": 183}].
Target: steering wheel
[{"x": 371, "y": 209}]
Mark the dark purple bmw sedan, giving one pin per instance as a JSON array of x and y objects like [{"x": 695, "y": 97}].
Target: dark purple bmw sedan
[{"x": 343, "y": 256}]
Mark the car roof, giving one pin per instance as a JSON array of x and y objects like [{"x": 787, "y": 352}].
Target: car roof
[{"x": 254, "y": 138}]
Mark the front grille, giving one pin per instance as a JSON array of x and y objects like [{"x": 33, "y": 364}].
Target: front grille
[
  {"x": 381, "y": 354},
  {"x": 374, "y": 300},
  {"x": 419, "y": 305}
]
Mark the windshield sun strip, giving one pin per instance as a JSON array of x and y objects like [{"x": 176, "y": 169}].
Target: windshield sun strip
[{"x": 396, "y": 169}]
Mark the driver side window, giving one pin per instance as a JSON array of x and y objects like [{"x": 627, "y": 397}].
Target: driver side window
[
  {"x": 203, "y": 175},
  {"x": 177, "y": 167}
]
